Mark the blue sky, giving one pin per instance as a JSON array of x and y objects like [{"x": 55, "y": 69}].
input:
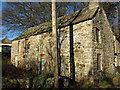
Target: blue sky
[{"x": 11, "y": 34}]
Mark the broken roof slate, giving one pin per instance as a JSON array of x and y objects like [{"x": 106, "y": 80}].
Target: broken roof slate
[{"x": 76, "y": 17}]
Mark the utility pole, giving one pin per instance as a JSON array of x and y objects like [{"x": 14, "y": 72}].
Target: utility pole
[
  {"x": 119, "y": 21},
  {"x": 55, "y": 44}
]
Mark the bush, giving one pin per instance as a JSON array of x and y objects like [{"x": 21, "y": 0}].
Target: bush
[
  {"x": 116, "y": 81},
  {"x": 10, "y": 71},
  {"x": 43, "y": 81},
  {"x": 15, "y": 83},
  {"x": 109, "y": 75},
  {"x": 38, "y": 81},
  {"x": 49, "y": 83},
  {"x": 104, "y": 84},
  {"x": 8, "y": 83}
]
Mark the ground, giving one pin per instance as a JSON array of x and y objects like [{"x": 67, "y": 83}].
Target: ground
[{"x": 19, "y": 78}]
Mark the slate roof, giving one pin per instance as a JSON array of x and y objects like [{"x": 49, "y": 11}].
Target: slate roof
[{"x": 76, "y": 17}]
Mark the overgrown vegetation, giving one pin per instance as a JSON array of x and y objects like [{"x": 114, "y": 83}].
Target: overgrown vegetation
[
  {"x": 19, "y": 78},
  {"x": 47, "y": 81},
  {"x": 10, "y": 71}
]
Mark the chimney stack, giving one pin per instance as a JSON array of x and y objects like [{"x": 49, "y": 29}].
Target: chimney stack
[{"x": 93, "y": 5}]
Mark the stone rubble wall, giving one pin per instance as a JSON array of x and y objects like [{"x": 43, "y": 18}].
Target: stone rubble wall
[
  {"x": 83, "y": 49},
  {"x": 29, "y": 50},
  {"x": 42, "y": 43},
  {"x": 106, "y": 46}
]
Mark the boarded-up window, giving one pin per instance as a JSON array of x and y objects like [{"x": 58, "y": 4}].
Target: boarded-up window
[{"x": 99, "y": 62}]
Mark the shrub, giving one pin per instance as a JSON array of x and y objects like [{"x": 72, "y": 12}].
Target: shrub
[
  {"x": 104, "y": 84},
  {"x": 43, "y": 81}
]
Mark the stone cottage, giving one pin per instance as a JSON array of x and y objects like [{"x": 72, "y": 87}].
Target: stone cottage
[{"x": 95, "y": 47}]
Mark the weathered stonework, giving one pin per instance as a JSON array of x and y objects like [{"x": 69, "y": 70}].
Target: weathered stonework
[
  {"x": 104, "y": 47},
  {"x": 92, "y": 53}
]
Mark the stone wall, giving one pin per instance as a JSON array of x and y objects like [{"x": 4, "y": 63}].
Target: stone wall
[
  {"x": 27, "y": 52},
  {"x": 83, "y": 49},
  {"x": 88, "y": 49},
  {"x": 104, "y": 47}
]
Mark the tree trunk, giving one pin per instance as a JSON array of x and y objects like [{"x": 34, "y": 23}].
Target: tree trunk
[{"x": 54, "y": 34}]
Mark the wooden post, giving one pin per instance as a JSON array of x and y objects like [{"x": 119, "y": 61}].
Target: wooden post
[{"x": 54, "y": 49}]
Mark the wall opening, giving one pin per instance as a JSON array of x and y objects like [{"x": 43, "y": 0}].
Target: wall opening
[
  {"x": 119, "y": 61},
  {"x": 42, "y": 63},
  {"x": 99, "y": 62},
  {"x": 97, "y": 35},
  {"x": 26, "y": 41},
  {"x": 115, "y": 61},
  {"x": 25, "y": 48},
  {"x": 16, "y": 61},
  {"x": 115, "y": 44},
  {"x": 18, "y": 47}
]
